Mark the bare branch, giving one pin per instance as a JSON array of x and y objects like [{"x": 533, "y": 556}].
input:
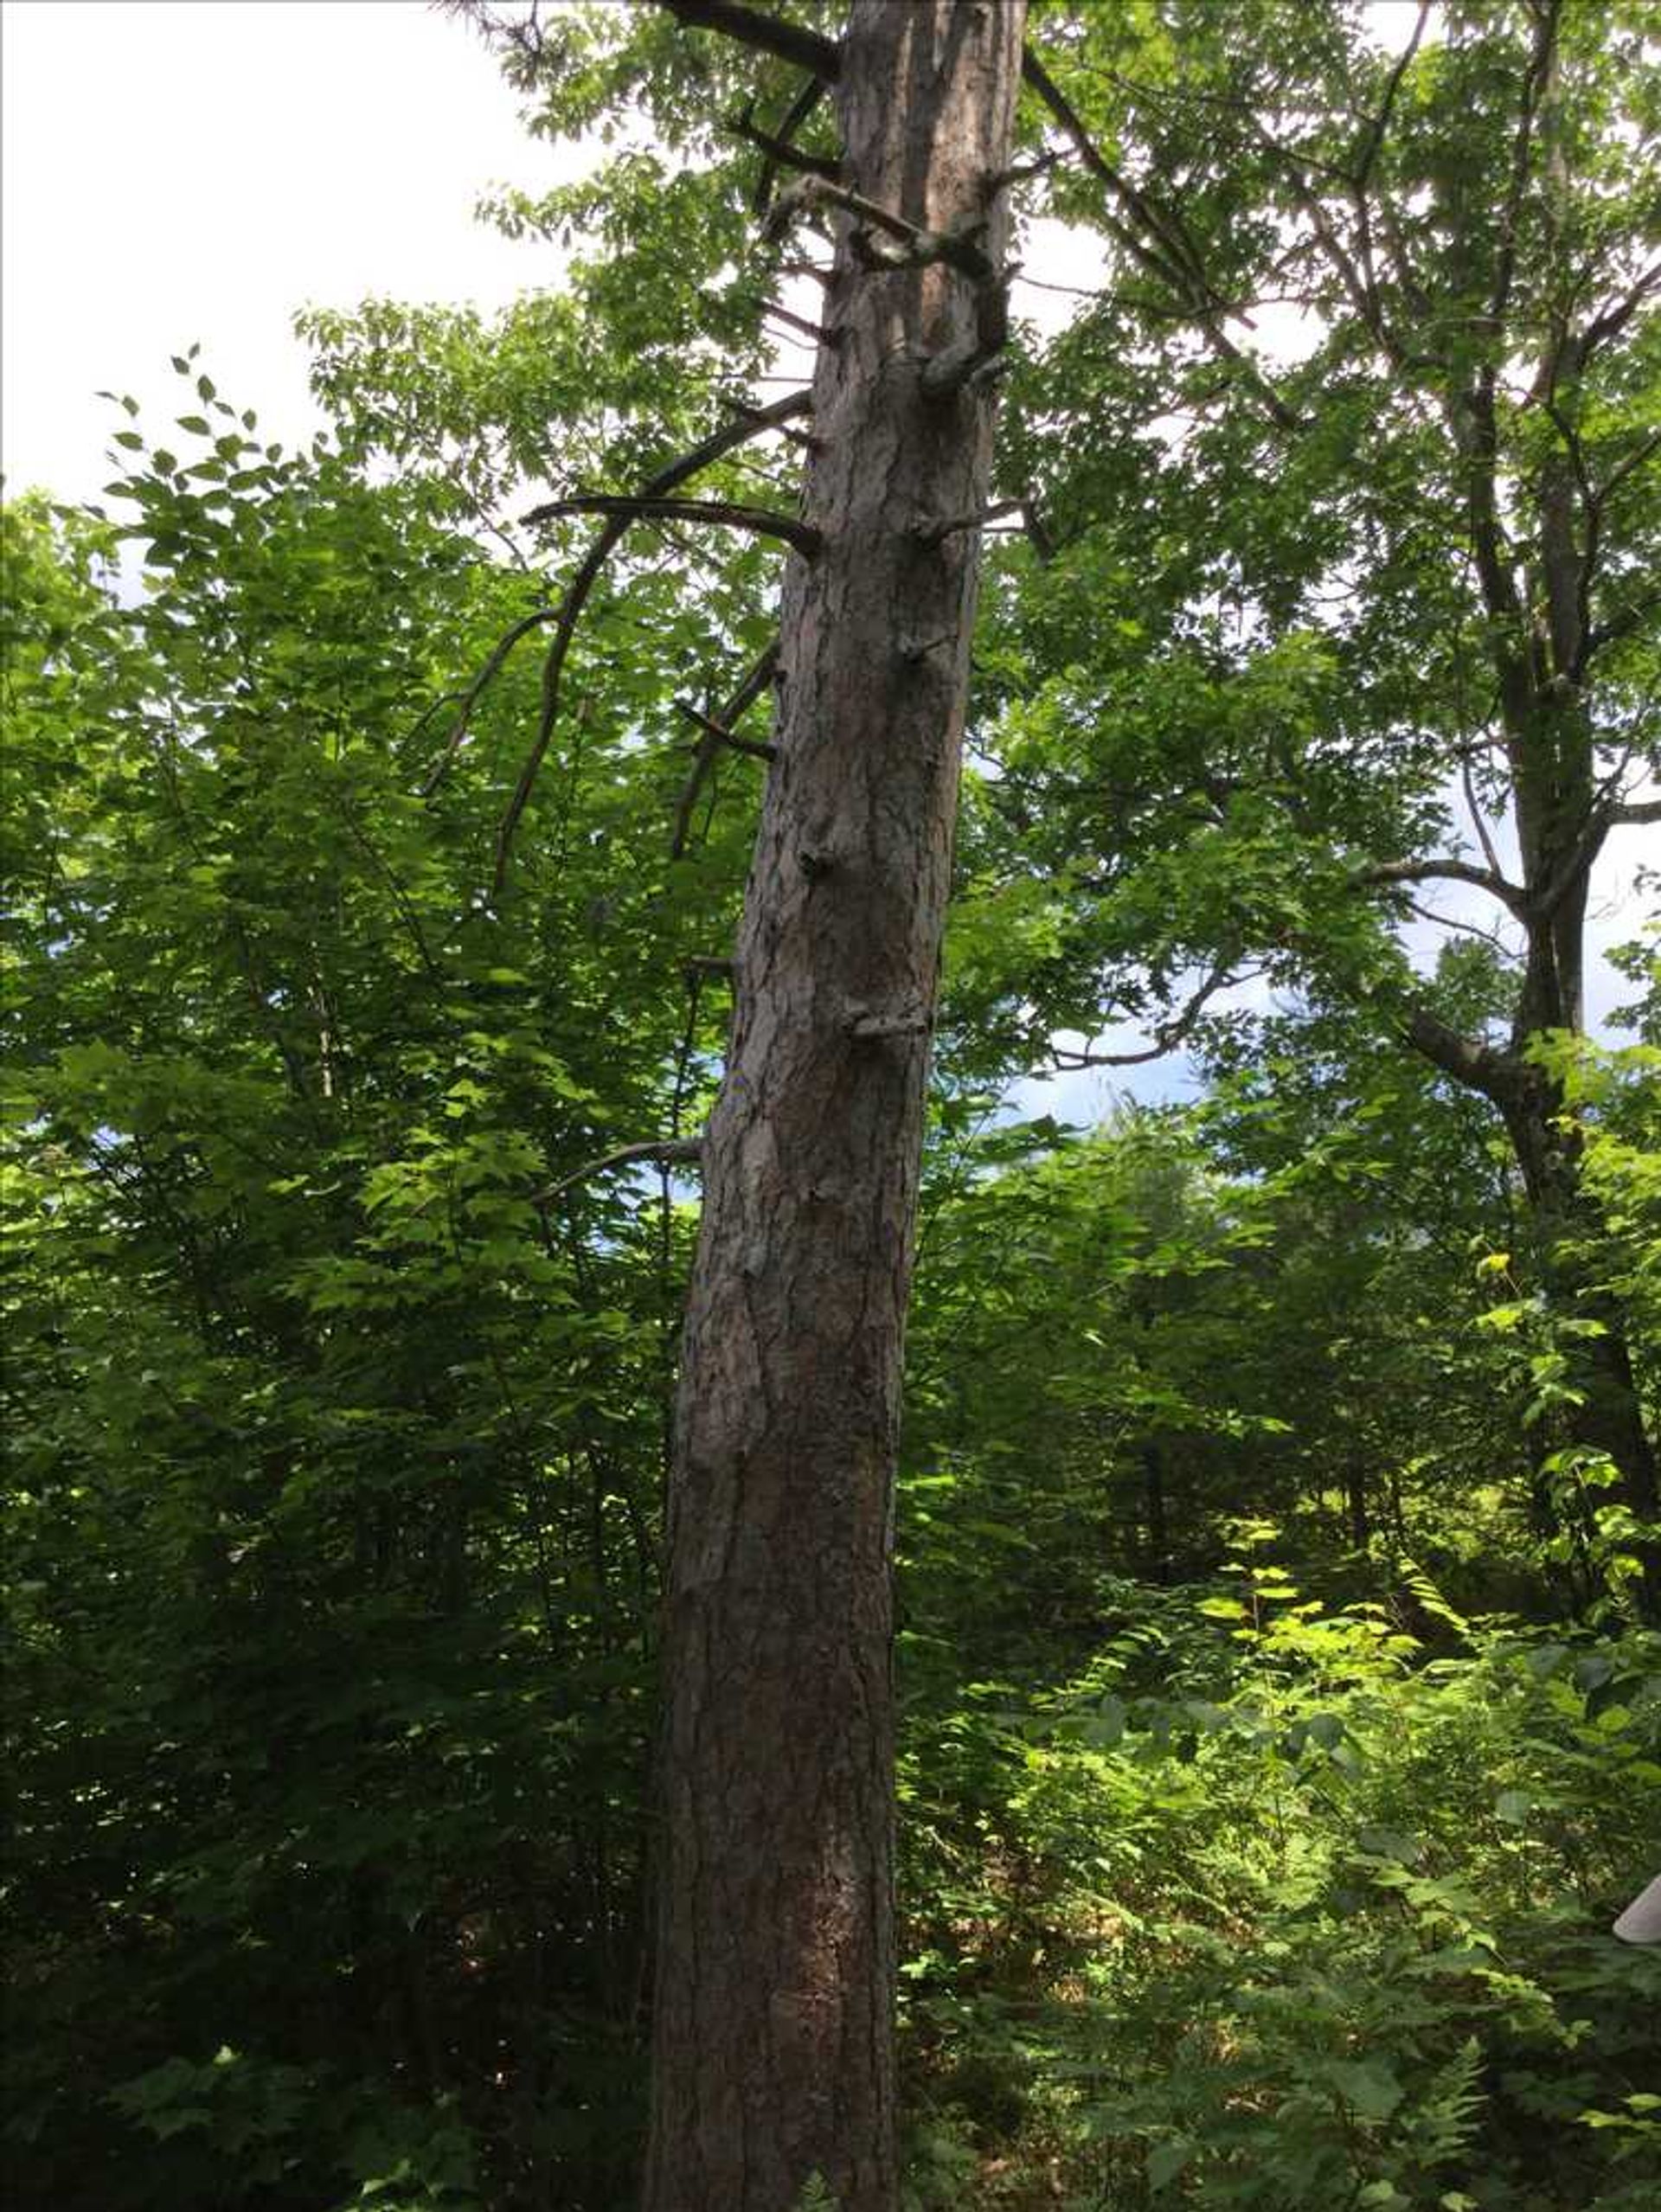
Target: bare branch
[
  {"x": 718, "y": 443},
  {"x": 781, "y": 152},
  {"x": 1478, "y": 819},
  {"x": 1443, "y": 868},
  {"x": 797, "y": 113},
  {"x": 1169, "y": 1033},
  {"x": 753, "y": 424},
  {"x": 920, "y": 244},
  {"x": 933, "y": 532},
  {"x": 663, "y": 1152},
  {"x": 1635, "y": 811},
  {"x": 1466, "y": 928},
  {"x": 791, "y": 42},
  {"x": 718, "y": 730},
  {"x": 777, "y": 311},
  {"x": 720, "y": 734},
  {"x": 626, "y": 507}
]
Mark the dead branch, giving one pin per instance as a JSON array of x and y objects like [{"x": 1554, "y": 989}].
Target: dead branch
[
  {"x": 920, "y": 245},
  {"x": 720, "y": 734},
  {"x": 676, "y": 471},
  {"x": 752, "y": 423},
  {"x": 791, "y": 42},
  {"x": 718, "y": 730},
  {"x": 630, "y": 508},
  {"x": 781, "y": 152},
  {"x": 798, "y": 113},
  {"x": 663, "y": 1152}
]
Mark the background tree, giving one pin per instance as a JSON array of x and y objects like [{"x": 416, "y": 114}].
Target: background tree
[{"x": 1338, "y": 624}]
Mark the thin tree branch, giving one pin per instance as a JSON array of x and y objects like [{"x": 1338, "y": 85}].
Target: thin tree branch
[
  {"x": 1633, "y": 461},
  {"x": 676, "y": 472},
  {"x": 1171, "y": 259},
  {"x": 470, "y": 698},
  {"x": 795, "y": 115},
  {"x": 1443, "y": 870},
  {"x": 1168, "y": 1034},
  {"x": 1634, "y": 812},
  {"x": 719, "y": 735},
  {"x": 1534, "y": 85},
  {"x": 718, "y": 731},
  {"x": 1375, "y": 138},
  {"x": 781, "y": 152},
  {"x": 752, "y": 423},
  {"x": 1614, "y": 318},
  {"x": 663, "y": 1150},
  {"x": 791, "y": 42},
  {"x": 629, "y": 507},
  {"x": 1469, "y": 928},
  {"x": 1479, "y": 821}
]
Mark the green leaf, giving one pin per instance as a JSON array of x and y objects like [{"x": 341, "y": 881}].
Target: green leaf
[{"x": 1166, "y": 2161}]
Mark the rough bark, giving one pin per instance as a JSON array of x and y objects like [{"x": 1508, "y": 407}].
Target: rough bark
[{"x": 771, "y": 2046}]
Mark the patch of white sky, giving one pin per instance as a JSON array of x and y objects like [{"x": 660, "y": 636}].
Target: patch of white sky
[{"x": 178, "y": 171}]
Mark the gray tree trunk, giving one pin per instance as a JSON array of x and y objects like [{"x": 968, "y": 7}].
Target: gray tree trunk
[{"x": 772, "y": 2028}]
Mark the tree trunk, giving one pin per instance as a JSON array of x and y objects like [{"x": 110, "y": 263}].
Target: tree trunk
[{"x": 772, "y": 2044}]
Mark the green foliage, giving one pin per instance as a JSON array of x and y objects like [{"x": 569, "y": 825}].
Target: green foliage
[
  {"x": 1279, "y": 1739},
  {"x": 1323, "y": 1917}
]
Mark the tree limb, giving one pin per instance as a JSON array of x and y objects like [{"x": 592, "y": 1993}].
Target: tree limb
[
  {"x": 1443, "y": 870},
  {"x": 632, "y": 508},
  {"x": 718, "y": 731},
  {"x": 675, "y": 472},
  {"x": 1171, "y": 259},
  {"x": 1614, "y": 318},
  {"x": 795, "y": 115},
  {"x": 920, "y": 244},
  {"x": 1497, "y": 1075},
  {"x": 782, "y": 152},
  {"x": 719, "y": 735},
  {"x": 1168, "y": 1034},
  {"x": 791, "y": 42},
  {"x": 663, "y": 1150},
  {"x": 752, "y": 423}
]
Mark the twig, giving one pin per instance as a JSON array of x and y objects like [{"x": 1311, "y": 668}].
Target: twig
[
  {"x": 798, "y": 113},
  {"x": 718, "y": 731},
  {"x": 664, "y": 1150}
]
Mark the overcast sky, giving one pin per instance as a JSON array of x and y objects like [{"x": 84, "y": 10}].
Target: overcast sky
[
  {"x": 178, "y": 171},
  {"x": 184, "y": 169}
]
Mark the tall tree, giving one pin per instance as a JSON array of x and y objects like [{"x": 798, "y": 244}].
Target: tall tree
[{"x": 772, "y": 2045}]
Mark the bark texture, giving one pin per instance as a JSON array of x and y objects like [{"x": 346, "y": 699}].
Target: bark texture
[{"x": 773, "y": 2043}]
